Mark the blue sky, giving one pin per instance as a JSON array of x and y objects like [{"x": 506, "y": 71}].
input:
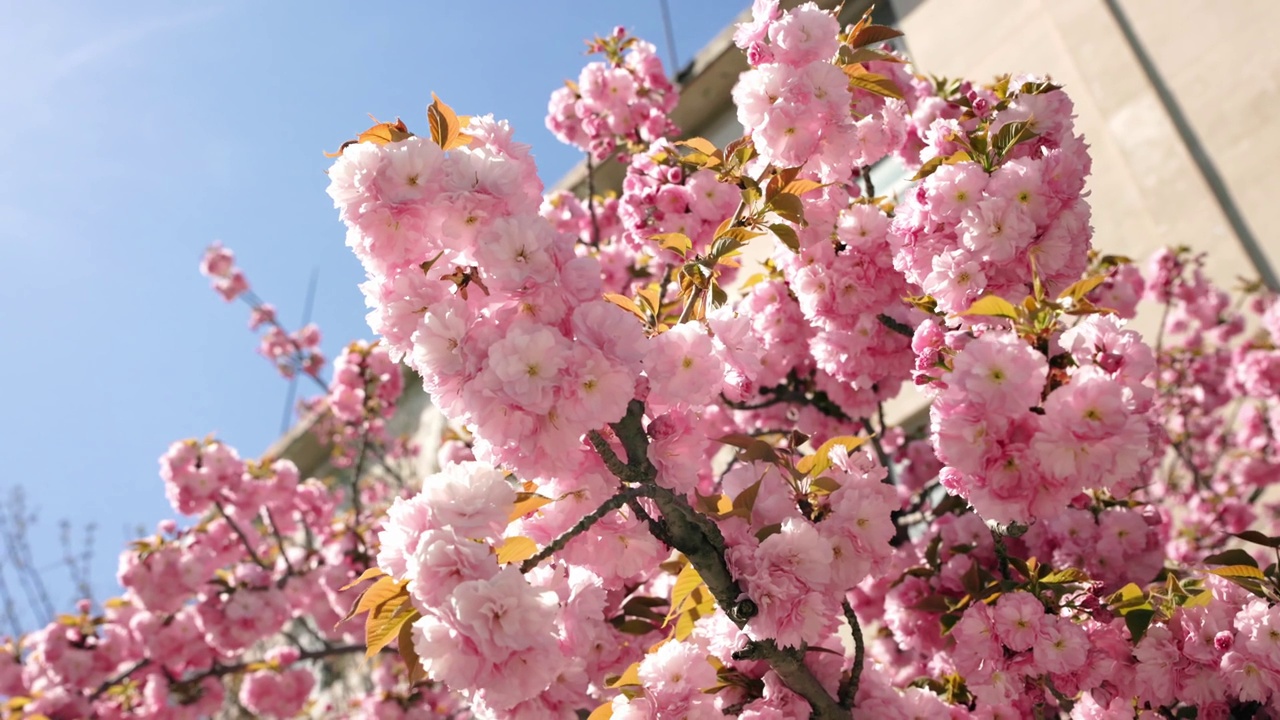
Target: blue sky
[{"x": 136, "y": 133}]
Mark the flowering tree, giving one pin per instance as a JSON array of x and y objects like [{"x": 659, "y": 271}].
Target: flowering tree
[{"x": 665, "y": 499}]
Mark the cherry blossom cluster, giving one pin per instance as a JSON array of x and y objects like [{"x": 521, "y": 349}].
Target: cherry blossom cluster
[
  {"x": 1019, "y": 444},
  {"x": 362, "y": 398},
  {"x": 291, "y": 352},
  {"x": 799, "y": 105},
  {"x": 617, "y": 105},
  {"x": 659, "y": 196},
  {"x": 665, "y": 499},
  {"x": 1003, "y": 203},
  {"x": 1216, "y": 395}
]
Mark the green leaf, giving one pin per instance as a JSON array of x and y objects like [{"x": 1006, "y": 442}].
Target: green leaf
[
  {"x": 739, "y": 234},
  {"x": 1011, "y": 134},
  {"x": 1066, "y": 575},
  {"x": 1078, "y": 289},
  {"x": 1234, "y": 556},
  {"x": 1258, "y": 538},
  {"x": 679, "y": 242},
  {"x": 1198, "y": 599},
  {"x": 1239, "y": 571},
  {"x": 786, "y": 235},
  {"x": 819, "y": 462},
  {"x": 788, "y": 207},
  {"x": 930, "y": 167},
  {"x": 823, "y": 485},
  {"x": 861, "y": 78},
  {"x": 1128, "y": 596},
  {"x": 1138, "y": 620},
  {"x": 993, "y": 306}
]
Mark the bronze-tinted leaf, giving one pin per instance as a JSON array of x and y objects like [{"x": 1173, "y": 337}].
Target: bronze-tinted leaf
[
  {"x": 446, "y": 127},
  {"x": 527, "y": 502},
  {"x": 872, "y": 34},
  {"x": 408, "y": 653},
  {"x": 379, "y": 134},
  {"x": 860, "y": 77},
  {"x": 371, "y": 573}
]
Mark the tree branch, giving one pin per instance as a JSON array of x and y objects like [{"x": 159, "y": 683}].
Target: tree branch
[
  {"x": 848, "y": 693},
  {"x": 789, "y": 664},
  {"x": 111, "y": 682},
  {"x": 700, "y": 540},
  {"x": 244, "y": 539},
  {"x": 580, "y": 527}
]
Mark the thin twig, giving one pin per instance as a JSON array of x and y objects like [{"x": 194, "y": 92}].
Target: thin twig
[
  {"x": 848, "y": 692},
  {"x": 700, "y": 540},
  {"x": 244, "y": 539},
  {"x": 275, "y": 531},
  {"x": 113, "y": 681},
  {"x": 591, "y": 201},
  {"x": 580, "y": 527}
]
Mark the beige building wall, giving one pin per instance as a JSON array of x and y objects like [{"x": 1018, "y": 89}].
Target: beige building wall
[{"x": 1220, "y": 68}]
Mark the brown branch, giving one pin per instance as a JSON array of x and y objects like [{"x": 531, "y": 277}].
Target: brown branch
[
  {"x": 275, "y": 531},
  {"x": 580, "y": 527},
  {"x": 700, "y": 540},
  {"x": 244, "y": 539},
  {"x": 113, "y": 681},
  {"x": 591, "y": 201},
  {"x": 789, "y": 664},
  {"x": 611, "y": 460},
  {"x": 848, "y": 693}
]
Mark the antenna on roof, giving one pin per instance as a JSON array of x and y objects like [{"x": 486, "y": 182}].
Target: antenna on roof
[
  {"x": 293, "y": 382},
  {"x": 671, "y": 38}
]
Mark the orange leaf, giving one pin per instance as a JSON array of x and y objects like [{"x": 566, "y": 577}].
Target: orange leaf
[
  {"x": 625, "y": 303},
  {"x": 376, "y": 594},
  {"x": 408, "y": 653},
  {"x": 383, "y": 624},
  {"x": 516, "y": 549},
  {"x": 369, "y": 574},
  {"x": 446, "y": 127},
  {"x": 379, "y": 134},
  {"x": 526, "y": 502}
]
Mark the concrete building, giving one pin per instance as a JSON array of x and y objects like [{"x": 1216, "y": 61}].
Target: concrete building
[{"x": 1173, "y": 97}]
